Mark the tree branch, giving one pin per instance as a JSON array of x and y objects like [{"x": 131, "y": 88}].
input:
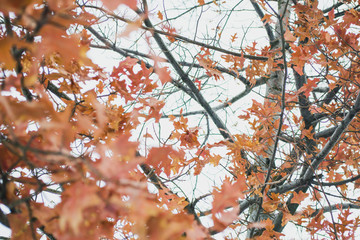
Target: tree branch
[
  {"x": 326, "y": 10},
  {"x": 266, "y": 25},
  {"x": 3, "y": 219},
  {"x": 259, "y": 81},
  {"x": 325, "y": 133},
  {"x": 200, "y": 99},
  {"x": 305, "y": 180},
  {"x": 151, "y": 29},
  {"x": 333, "y": 139},
  {"x": 329, "y": 184},
  {"x": 335, "y": 207},
  {"x": 221, "y": 106},
  {"x": 125, "y": 54},
  {"x": 300, "y": 80}
]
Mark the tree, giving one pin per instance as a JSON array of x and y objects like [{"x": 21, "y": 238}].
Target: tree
[{"x": 204, "y": 127}]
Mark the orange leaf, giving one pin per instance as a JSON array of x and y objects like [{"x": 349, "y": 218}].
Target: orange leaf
[
  {"x": 270, "y": 206},
  {"x": 148, "y": 135},
  {"x": 163, "y": 73},
  {"x": 268, "y": 224},
  {"x": 267, "y": 19},
  {"x": 331, "y": 15},
  {"x": 225, "y": 218},
  {"x": 309, "y": 86},
  {"x": 233, "y": 37},
  {"x": 113, "y": 4},
  {"x": 189, "y": 138},
  {"x": 6, "y": 58},
  {"x": 131, "y": 26},
  {"x": 171, "y": 31},
  {"x": 160, "y": 16},
  {"x": 19, "y": 226},
  {"x": 299, "y": 197},
  {"x": 56, "y": 41},
  {"x": 289, "y": 37},
  {"x": 76, "y": 199},
  {"x": 155, "y": 107},
  {"x": 201, "y": 2},
  {"x": 290, "y": 217},
  {"x": 228, "y": 195},
  {"x": 214, "y": 160},
  {"x": 196, "y": 232},
  {"x": 159, "y": 158},
  {"x": 123, "y": 147},
  {"x": 209, "y": 65}
]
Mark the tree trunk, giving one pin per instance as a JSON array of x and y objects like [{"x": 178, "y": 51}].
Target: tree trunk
[{"x": 274, "y": 87}]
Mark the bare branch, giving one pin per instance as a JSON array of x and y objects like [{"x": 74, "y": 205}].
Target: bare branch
[
  {"x": 217, "y": 121},
  {"x": 333, "y": 139},
  {"x": 151, "y": 29},
  {"x": 221, "y": 106},
  {"x": 336, "y": 207},
  {"x": 329, "y": 184},
  {"x": 267, "y": 25},
  {"x": 305, "y": 180}
]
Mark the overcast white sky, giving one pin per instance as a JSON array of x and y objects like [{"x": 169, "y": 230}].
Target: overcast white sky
[{"x": 198, "y": 25}]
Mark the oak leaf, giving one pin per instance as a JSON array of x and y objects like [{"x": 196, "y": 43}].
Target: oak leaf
[
  {"x": 196, "y": 232},
  {"x": 289, "y": 37},
  {"x": 201, "y": 2},
  {"x": 19, "y": 225},
  {"x": 267, "y": 19},
  {"x": 228, "y": 194},
  {"x": 77, "y": 198},
  {"x": 225, "y": 218},
  {"x": 159, "y": 157},
  {"x": 160, "y": 16},
  {"x": 298, "y": 197},
  {"x": 155, "y": 107},
  {"x": 208, "y": 64}
]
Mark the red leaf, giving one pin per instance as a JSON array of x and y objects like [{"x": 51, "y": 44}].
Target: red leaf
[
  {"x": 198, "y": 83},
  {"x": 331, "y": 15}
]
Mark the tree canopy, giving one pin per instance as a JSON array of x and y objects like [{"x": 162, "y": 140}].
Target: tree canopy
[{"x": 136, "y": 119}]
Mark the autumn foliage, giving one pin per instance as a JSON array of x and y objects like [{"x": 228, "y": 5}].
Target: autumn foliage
[{"x": 186, "y": 137}]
